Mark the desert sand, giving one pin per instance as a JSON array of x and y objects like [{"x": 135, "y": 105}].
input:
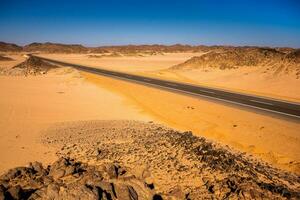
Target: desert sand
[
  {"x": 253, "y": 132},
  {"x": 246, "y": 80},
  {"x": 29, "y": 104},
  {"x": 150, "y": 161},
  {"x": 16, "y": 58},
  {"x": 61, "y": 112},
  {"x": 249, "y": 80},
  {"x": 133, "y": 64}
]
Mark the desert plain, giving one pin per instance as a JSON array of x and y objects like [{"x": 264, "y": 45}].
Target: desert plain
[{"x": 188, "y": 147}]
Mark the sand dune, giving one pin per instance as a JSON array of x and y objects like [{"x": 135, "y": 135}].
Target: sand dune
[{"x": 30, "y": 103}]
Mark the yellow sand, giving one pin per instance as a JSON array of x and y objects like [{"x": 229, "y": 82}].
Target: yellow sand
[
  {"x": 31, "y": 103},
  {"x": 245, "y": 79},
  {"x": 131, "y": 64},
  {"x": 17, "y": 59},
  {"x": 275, "y": 140},
  {"x": 28, "y": 105},
  {"x": 249, "y": 80}
]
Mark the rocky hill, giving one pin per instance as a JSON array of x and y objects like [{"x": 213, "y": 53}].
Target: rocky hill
[
  {"x": 55, "y": 48},
  {"x": 148, "y": 48},
  {"x": 31, "y": 66},
  {"x": 230, "y": 58},
  {"x": 49, "y": 47},
  {"x": 9, "y": 47}
]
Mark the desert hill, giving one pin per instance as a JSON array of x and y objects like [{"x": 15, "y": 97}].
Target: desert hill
[
  {"x": 55, "y": 48},
  {"x": 9, "y": 47},
  {"x": 276, "y": 61},
  {"x": 49, "y": 47},
  {"x": 31, "y": 66},
  {"x": 148, "y": 48}
]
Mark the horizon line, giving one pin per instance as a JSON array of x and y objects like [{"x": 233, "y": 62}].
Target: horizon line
[{"x": 152, "y": 44}]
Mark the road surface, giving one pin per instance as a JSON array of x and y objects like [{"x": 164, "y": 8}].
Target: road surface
[{"x": 277, "y": 106}]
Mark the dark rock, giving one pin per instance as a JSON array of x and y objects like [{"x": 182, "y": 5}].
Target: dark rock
[
  {"x": 203, "y": 169},
  {"x": 15, "y": 192},
  {"x": 68, "y": 179},
  {"x": 2, "y": 192},
  {"x": 157, "y": 197}
]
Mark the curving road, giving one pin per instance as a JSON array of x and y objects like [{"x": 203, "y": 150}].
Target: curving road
[{"x": 280, "y": 107}]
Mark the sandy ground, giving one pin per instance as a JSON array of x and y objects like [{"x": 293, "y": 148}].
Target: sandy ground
[
  {"x": 30, "y": 104},
  {"x": 252, "y": 80},
  {"x": 69, "y": 97},
  {"x": 17, "y": 59},
  {"x": 175, "y": 163},
  {"x": 275, "y": 140},
  {"x": 249, "y": 80},
  {"x": 133, "y": 64},
  {"x": 256, "y": 133}
]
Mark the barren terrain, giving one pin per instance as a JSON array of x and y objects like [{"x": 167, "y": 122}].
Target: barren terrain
[
  {"x": 264, "y": 79},
  {"x": 252, "y": 132},
  {"x": 49, "y": 112},
  {"x": 30, "y": 103}
]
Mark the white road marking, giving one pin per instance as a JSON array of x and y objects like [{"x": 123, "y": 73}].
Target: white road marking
[
  {"x": 145, "y": 79},
  {"x": 194, "y": 94},
  {"x": 207, "y": 91},
  {"x": 262, "y": 102}
]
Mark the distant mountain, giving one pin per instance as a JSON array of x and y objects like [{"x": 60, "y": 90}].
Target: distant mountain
[
  {"x": 49, "y": 47},
  {"x": 55, "y": 48},
  {"x": 147, "y": 48},
  {"x": 5, "y": 47}
]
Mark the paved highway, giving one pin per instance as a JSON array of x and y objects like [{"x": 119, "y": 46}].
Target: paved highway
[{"x": 281, "y": 107}]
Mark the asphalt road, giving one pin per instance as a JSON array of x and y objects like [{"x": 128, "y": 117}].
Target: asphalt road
[{"x": 255, "y": 102}]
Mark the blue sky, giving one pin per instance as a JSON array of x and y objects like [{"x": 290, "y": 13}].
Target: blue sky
[{"x": 114, "y": 22}]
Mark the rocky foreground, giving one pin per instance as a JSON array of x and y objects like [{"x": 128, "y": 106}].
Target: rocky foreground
[
  {"x": 67, "y": 179},
  {"x": 135, "y": 160},
  {"x": 177, "y": 163}
]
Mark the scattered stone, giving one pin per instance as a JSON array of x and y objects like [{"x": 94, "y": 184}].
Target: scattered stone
[
  {"x": 57, "y": 181},
  {"x": 32, "y": 66},
  {"x": 200, "y": 168}
]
